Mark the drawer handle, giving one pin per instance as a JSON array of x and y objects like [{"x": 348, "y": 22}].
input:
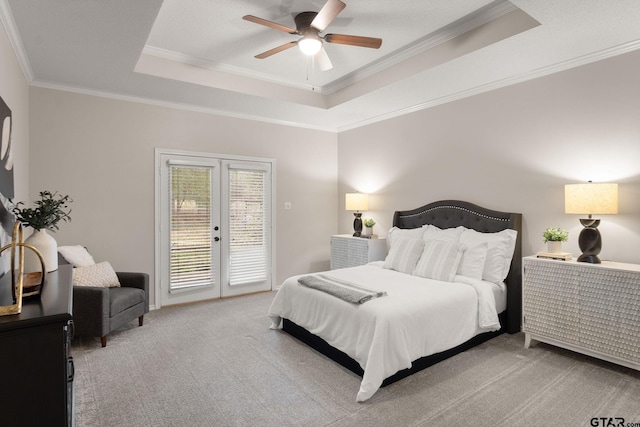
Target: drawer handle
[{"x": 72, "y": 370}]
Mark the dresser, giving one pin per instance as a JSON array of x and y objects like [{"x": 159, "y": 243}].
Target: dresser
[
  {"x": 36, "y": 367},
  {"x": 593, "y": 309},
  {"x": 349, "y": 251}
]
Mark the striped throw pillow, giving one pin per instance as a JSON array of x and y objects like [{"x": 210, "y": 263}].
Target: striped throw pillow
[
  {"x": 404, "y": 255},
  {"x": 439, "y": 260}
]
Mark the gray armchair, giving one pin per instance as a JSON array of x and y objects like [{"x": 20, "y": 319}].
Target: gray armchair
[{"x": 98, "y": 311}]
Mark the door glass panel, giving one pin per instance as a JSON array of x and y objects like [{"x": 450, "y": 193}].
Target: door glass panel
[
  {"x": 190, "y": 223},
  {"x": 248, "y": 220}
]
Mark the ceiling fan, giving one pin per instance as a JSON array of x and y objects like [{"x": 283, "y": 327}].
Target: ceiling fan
[{"x": 309, "y": 25}]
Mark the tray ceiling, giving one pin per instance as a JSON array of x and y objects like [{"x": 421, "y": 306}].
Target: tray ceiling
[{"x": 199, "y": 54}]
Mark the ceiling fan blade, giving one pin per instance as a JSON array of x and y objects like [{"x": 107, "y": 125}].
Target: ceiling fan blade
[
  {"x": 323, "y": 60},
  {"x": 370, "y": 42},
  {"x": 329, "y": 11},
  {"x": 275, "y": 50},
  {"x": 269, "y": 24}
]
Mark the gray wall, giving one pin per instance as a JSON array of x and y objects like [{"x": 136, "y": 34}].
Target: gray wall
[
  {"x": 101, "y": 152},
  {"x": 511, "y": 149}
]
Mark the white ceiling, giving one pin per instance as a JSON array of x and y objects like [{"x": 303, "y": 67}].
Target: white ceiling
[{"x": 199, "y": 54}]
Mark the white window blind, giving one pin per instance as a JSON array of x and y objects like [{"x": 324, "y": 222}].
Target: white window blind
[
  {"x": 190, "y": 223},
  {"x": 249, "y": 219}
]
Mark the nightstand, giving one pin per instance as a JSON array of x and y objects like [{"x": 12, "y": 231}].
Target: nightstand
[
  {"x": 593, "y": 309},
  {"x": 349, "y": 251}
]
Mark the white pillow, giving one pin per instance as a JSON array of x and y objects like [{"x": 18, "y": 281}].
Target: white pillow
[
  {"x": 432, "y": 232},
  {"x": 473, "y": 260},
  {"x": 77, "y": 255},
  {"x": 439, "y": 260},
  {"x": 99, "y": 275},
  {"x": 407, "y": 233},
  {"x": 499, "y": 251},
  {"x": 404, "y": 255}
]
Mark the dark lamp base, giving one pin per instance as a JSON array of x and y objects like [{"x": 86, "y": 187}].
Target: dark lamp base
[
  {"x": 357, "y": 224},
  {"x": 593, "y": 259},
  {"x": 590, "y": 241}
]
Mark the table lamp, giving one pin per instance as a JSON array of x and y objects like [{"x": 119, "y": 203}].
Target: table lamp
[
  {"x": 591, "y": 199},
  {"x": 357, "y": 202}
]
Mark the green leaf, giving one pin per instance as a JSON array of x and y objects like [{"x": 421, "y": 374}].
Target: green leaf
[{"x": 47, "y": 213}]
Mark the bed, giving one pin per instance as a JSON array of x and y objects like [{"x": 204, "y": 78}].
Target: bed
[{"x": 386, "y": 338}]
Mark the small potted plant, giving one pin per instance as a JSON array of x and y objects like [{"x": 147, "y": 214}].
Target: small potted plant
[
  {"x": 554, "y": 237},
  {"x": 47, "y": 213},
  {"x": 368, "y": 226}
]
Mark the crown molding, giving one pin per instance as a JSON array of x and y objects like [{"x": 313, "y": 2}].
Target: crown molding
[
  {"x": 534, "y": 74},
  {"x": 540, "y": 72},
  {"x": 176, "y": 105},
  {"x": 6, "y": 17}
]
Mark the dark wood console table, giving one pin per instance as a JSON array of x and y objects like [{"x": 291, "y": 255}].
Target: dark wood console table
[{"x": 36, "y": 367}]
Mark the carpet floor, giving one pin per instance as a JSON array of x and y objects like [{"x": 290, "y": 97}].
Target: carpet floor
[{"x": 218, "y": 364}]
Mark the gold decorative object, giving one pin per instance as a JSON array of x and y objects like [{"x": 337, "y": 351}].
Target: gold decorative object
[{"x": 20, "y": 289}]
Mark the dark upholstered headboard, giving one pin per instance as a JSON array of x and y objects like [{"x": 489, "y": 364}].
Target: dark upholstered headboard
[{"x": 452, "y": 213}]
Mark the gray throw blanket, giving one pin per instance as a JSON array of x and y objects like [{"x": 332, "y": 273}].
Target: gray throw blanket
[{"x": 344, "y": 290}]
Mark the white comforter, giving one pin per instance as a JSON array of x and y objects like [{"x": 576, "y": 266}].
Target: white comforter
[{"x": 417, "y": 318}]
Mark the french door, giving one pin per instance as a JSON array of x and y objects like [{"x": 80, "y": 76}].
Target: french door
[{"x": 214, "y": 227}]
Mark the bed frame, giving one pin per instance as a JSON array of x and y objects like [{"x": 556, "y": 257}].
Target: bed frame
[{"x": 444, "y": 214}]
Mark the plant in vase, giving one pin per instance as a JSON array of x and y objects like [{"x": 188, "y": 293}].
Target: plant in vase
[
  {"x": 554, "y": 237},
  {"x": 368, "y": 226},
  {"x": 47, "y": 213}
]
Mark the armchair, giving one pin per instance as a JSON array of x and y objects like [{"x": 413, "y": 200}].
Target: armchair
[{"x": 97, "y": 311}]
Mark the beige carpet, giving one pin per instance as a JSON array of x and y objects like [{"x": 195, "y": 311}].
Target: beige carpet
[{"x": 218, "y": 364}]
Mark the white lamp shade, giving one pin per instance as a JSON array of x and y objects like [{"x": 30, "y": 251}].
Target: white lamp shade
[
  {"x": 591, "y": 198},
  {"x": 309, "y": 45},
  {"x": 356, "y": 201}
]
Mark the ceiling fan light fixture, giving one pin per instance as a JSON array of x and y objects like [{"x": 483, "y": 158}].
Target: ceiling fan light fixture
[
  {"x": 310, "y": 45},
  {"x": 309, "y": 25}
]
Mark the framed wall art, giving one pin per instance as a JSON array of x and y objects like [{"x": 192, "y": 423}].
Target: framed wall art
[{"x": 7, "y": 218}]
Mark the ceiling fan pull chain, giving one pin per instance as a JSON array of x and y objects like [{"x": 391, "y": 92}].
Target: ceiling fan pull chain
[{"x": 310, "y": 67}]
